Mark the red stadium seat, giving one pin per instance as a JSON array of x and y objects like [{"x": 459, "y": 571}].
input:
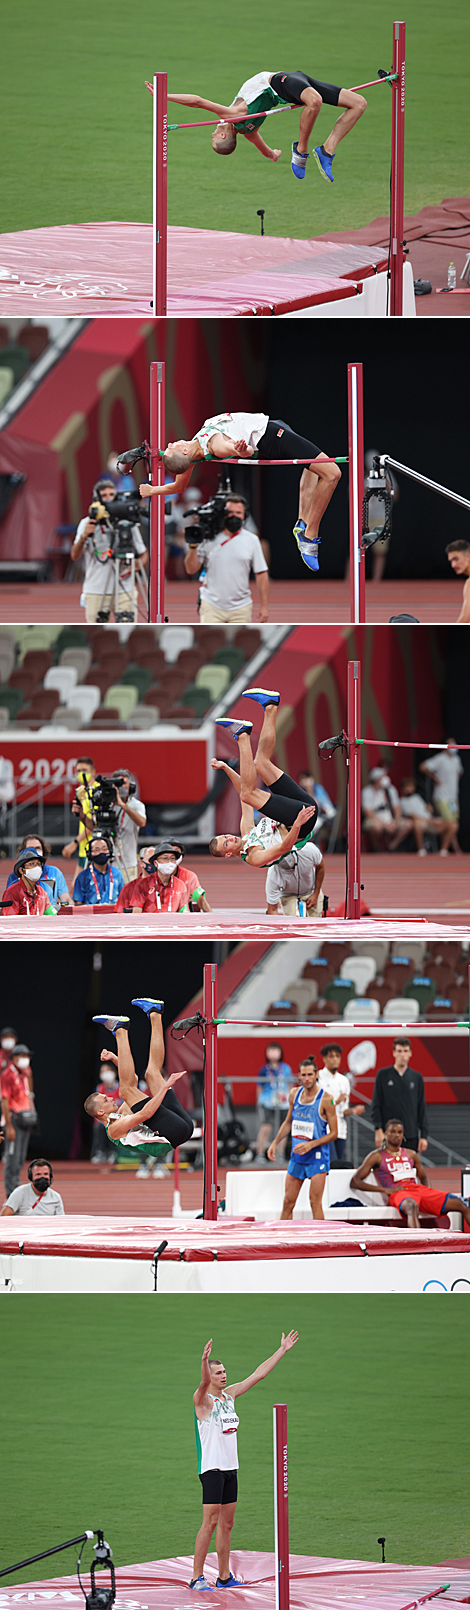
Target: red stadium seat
[
  {"x": 41, "y": 707},
  {"x": 26, "y": 680},
  {"x": 38, "y": 661}
]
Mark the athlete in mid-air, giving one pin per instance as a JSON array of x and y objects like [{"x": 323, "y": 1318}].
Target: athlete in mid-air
[
  {"x": 312, "y": 1121},
  {"x": 151, "y": 1125},
  {"x": 288, "y": 813},
  {"x": 402, "y": 1181},
  {"x": 257, "y": 436},
  {"x": 217, "y": 1458},
  {"x": 263, "y": 94}
]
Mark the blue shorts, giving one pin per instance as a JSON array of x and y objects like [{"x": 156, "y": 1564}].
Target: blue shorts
[{"x": 304, "y": 1165}]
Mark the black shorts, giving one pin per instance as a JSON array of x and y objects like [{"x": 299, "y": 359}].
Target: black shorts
[
  {"x": 279, "y": 441},
  {"x": 289, "y": 87},
  {"x": 170, "y": 1120},
  {"x": 219, "y": 1486},
  {"x": 285, "y": 801}
]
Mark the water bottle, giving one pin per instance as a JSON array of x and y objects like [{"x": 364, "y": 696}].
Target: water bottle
[
  {"x": 451, "y": 277},
  {"x": 302, "y": 908}
]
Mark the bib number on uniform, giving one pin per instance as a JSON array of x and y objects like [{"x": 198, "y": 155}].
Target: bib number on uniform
[
  {"x": 301, "y": 1131},
  {"x": 228, "y": 1421}
]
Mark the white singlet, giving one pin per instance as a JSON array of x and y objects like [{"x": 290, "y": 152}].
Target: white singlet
[
  {"x": 247, "y": 428},
  {"x": 216, "y": 1437},
  {"x": 265, "y": 835}
]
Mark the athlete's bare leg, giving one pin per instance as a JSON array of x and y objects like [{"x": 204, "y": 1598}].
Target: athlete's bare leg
[
  {"x": 223, "y": 1538},
  {"x": 317, "y": 1186},
  {"x": 266, "y": 746},
  {"x": 210, "y": 1516},
  {"x": 354, "y": 106},
  {"x": 156, "y": 1054},
  {"x": 128, "y": 1083},
  {"x": 291, "y": 1193},
  {"x": 409, "y": 1210},
  {"x": 315, "y": 492},
  {"x": 250, "y": 793}
]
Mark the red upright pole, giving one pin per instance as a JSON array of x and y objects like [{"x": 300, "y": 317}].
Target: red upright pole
[
  {"x": 398, "y": 172},
  {"x": 353, "y": 905},
  {"x": 210, "y": 1091},
  {"x": 281, "y": 1506},
  {"x": 157, "y": 504},
  {"x": 356, "y": 492},
  {"x": 160, "y": 164}
]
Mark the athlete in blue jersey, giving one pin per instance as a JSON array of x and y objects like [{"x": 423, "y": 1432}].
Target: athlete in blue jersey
[{"x": 313, "y": 1124}]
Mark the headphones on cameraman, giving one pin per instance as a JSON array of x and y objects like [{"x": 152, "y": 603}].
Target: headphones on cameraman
[{"x": 39, "y": 1162}]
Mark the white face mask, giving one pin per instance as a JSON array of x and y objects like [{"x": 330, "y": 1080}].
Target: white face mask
[
  {"x": 33, "y": 873},
  {"x": 166, "y": 868},
  {"x": 107, "y": 1077},
  {"x": 22, "y": 1063},
  {"x": 7, "y": 1045}
]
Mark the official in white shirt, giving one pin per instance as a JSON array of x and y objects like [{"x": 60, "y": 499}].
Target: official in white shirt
[{"x": 37, "y": 1196}]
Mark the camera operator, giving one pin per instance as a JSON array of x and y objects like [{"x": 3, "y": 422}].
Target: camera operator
[
  {"x": 100, "y": 883},
  {"x": 132, "y": 818},
  {"x": 93, "y": 542},
  {"x": 82, "y": 806},
  {"x": 228, "y": 558}
]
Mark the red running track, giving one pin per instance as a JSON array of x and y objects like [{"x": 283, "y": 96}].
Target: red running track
[
  {"x": 319, "y": 602},
  {"x": 233, "y": 1240},
  {"x": 316, "y": 1583}
]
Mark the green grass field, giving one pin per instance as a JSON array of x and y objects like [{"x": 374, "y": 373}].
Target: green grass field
[
  {"x": 98, "y": 1423},
  {"x": 76, "y": 118}
]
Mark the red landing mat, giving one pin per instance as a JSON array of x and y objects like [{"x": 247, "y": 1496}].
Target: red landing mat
[
  {"x": 316, "y": 1583},
  {"x": 231, "y": 1240},
  {"x": 71, "y": 269},
  {"x": 95, "y": 923}
]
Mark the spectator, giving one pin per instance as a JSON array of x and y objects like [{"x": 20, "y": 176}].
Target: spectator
[
  {"x": 445, "y": 769},
  {"x": 382, "y": 816},
  {"x": 195, "y": 894},
  {"x": 52, "y": 879},
  {"x": 100, "y": 883},
  {"x": 399, "y": 1093},
  {"x": 82, "y": 806},
  {"x": 132, "y": 820},
  {"x": 228, "y": 560},
  {"x": 275, "y": 1080},
  {"x": 37, "y": 1195},
  {"x": 338, "y": 1086},
  {"x": 422, "y": 820},
  {"x": 18, "y": 1113},
  {"x": 25, "y": 896},
  {"x": 8, "y": 1040},
  {"x": 102, "y": 1150},
  {"x": 317, "y": 791},
  {"x": 159, "y": 890}
]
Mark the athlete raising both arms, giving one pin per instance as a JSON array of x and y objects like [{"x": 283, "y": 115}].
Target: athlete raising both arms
[
  {"x": 217, "y": 1458},
  {"x": 151, "y": 1125},
  {"x": 312, "y": 1121},
  {"x": 257, "y": 436},
  {"x": 264, "y": 93}
]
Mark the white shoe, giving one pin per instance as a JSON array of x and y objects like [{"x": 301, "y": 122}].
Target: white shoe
[
  {"x": 143, "y": 1173},
  {"x": 422, "y": 852}
]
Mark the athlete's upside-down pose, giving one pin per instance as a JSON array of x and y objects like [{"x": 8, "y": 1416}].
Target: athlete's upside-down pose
[
  {"x": 288, "y": 813},
  {"x": 150, "y": 1125},
  {"x": 257, "y": 436},
  {"x": 266, "y": 91}
]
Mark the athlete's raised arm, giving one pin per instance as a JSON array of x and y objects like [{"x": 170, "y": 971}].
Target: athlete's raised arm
[
  {"x": 201, "y": 1393},
  {"x": 265, "y": 1369},
  {"x": 122, "y": 1126}
]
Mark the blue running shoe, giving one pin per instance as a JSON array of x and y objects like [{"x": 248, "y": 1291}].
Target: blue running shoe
[
  {"x": 235, "y": 727},
  {"x": 307, "y": 549},
  {"x": 324, "y": 163},
  {"x": 261, "y": 696},
  {"x": 111, "y": 1023},
  {"x": 200, "y": 1584},
  {"x": 232, "y": 1581},
  {"x": 299, "y": 159},
  {"x": 147, "y": 1005}
]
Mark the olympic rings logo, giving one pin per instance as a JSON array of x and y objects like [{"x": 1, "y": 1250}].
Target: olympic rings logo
[{"x": 438, "y": 1285}]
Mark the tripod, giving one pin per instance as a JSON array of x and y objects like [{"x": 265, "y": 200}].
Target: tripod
[{"x": 124, "y": 557}]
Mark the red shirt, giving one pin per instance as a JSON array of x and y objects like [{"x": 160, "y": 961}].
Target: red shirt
[
  {"x": 24, "y": 904},
  {"x": 151, "y": 895},
  {"x": 14, "y": 1087}
]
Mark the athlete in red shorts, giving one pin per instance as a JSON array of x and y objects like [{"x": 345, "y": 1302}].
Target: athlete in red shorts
[{"x": 402, "y": 1181}]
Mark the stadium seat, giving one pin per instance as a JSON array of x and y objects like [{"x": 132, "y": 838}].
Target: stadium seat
[
  {"x": 106, "y": 717},
  {"x": 66, "y": 716},
  {"x": 320, "y": 968},
  {"x": 7, "y": 381},
  {"x": 317, "y": 1012},
  {"x": 415, "y": 949},
  {"x": 26, "y": 680},
  {"x": 4, "y": 716},
  {"x": 7, "y": 660},
  {"x": 443, "y": 975},
  {"x": 122, "y": 698},
  {"x": 340, "y": 990},
  {"x": 38, "y": 661},
  {"x": 362, "y": 1010},
  {"x": 15, "y": 358},
  {"x": 401, "y": 1009},
  {"x": 378, "y": 948},
  {"x": 153, "y": 659},
  {"x": 361, "y": 969},
  {"x": 62, "y": 677},
  {"x": 199, "y": 699},
  {"x": 137, "y": 676},
  {"x": 229, "y": 655},
  {"x": 397, "y": 973},
  {"x": 176, "y": 638},
  {"x": 420, "y": 988},
  {"x": 304, "y": 991},
  {"x": 443, "y": 1008},
  {"x": 335, "y": 950},
  {"x": 189, "y": 661},
  {"x": 40, "y": 707},
  {"x": 210, "y": 638},
  {"x": 70, "y": 637},
  {"x": 143, "y": 640},
  {"x": 143, "y": 717},
  {"x": 12, "y": 699},
  {"x": 114, "y": 662},
  {"x": 34, "y": 338},
  {"x": 80, "y": 657},
  {"x": 86, "y": 700},
  {"x": 104, "y": 641},
  {"x": 285, "y": 1010},
  {"x": 158, "y": 700},
  {"x": 215, "y": 678},
  {"x": 97, "y": 677},
  {"x": 248, "y": 638},
  {"x": 29, "y": 637}
]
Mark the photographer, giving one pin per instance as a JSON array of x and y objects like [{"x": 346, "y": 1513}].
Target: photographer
[
  {"x": 94, "y": 542},
  {"x": 228, "y": 555},
  {"x": 132, "y": 818},
  {"x": 100, "y": 883}
]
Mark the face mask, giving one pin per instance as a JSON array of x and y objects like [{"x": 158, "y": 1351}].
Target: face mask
[
  {"x": 7, "y": 1045},
  {"x": 33, "y": 873},
  {"x": 99, "y": 860},
  {"x": 22, "y": 1062},
  {"x": 107, "y": 1078},
  {"x": 42, "y": 1183},
  {"x": 166, "y": 868},
  {"x": 233, "y": 523}
]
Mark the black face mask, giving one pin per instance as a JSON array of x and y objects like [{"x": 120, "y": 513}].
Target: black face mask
[
  {"x": 41, "y": 1184},
  {"x": 100, "y": 860},
  {"x": 233, "y": 523}
]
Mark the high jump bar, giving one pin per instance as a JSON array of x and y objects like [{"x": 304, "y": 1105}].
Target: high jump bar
[
  {"x": 160, "y": 166},
  {"x": 241, "y": 117}
]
